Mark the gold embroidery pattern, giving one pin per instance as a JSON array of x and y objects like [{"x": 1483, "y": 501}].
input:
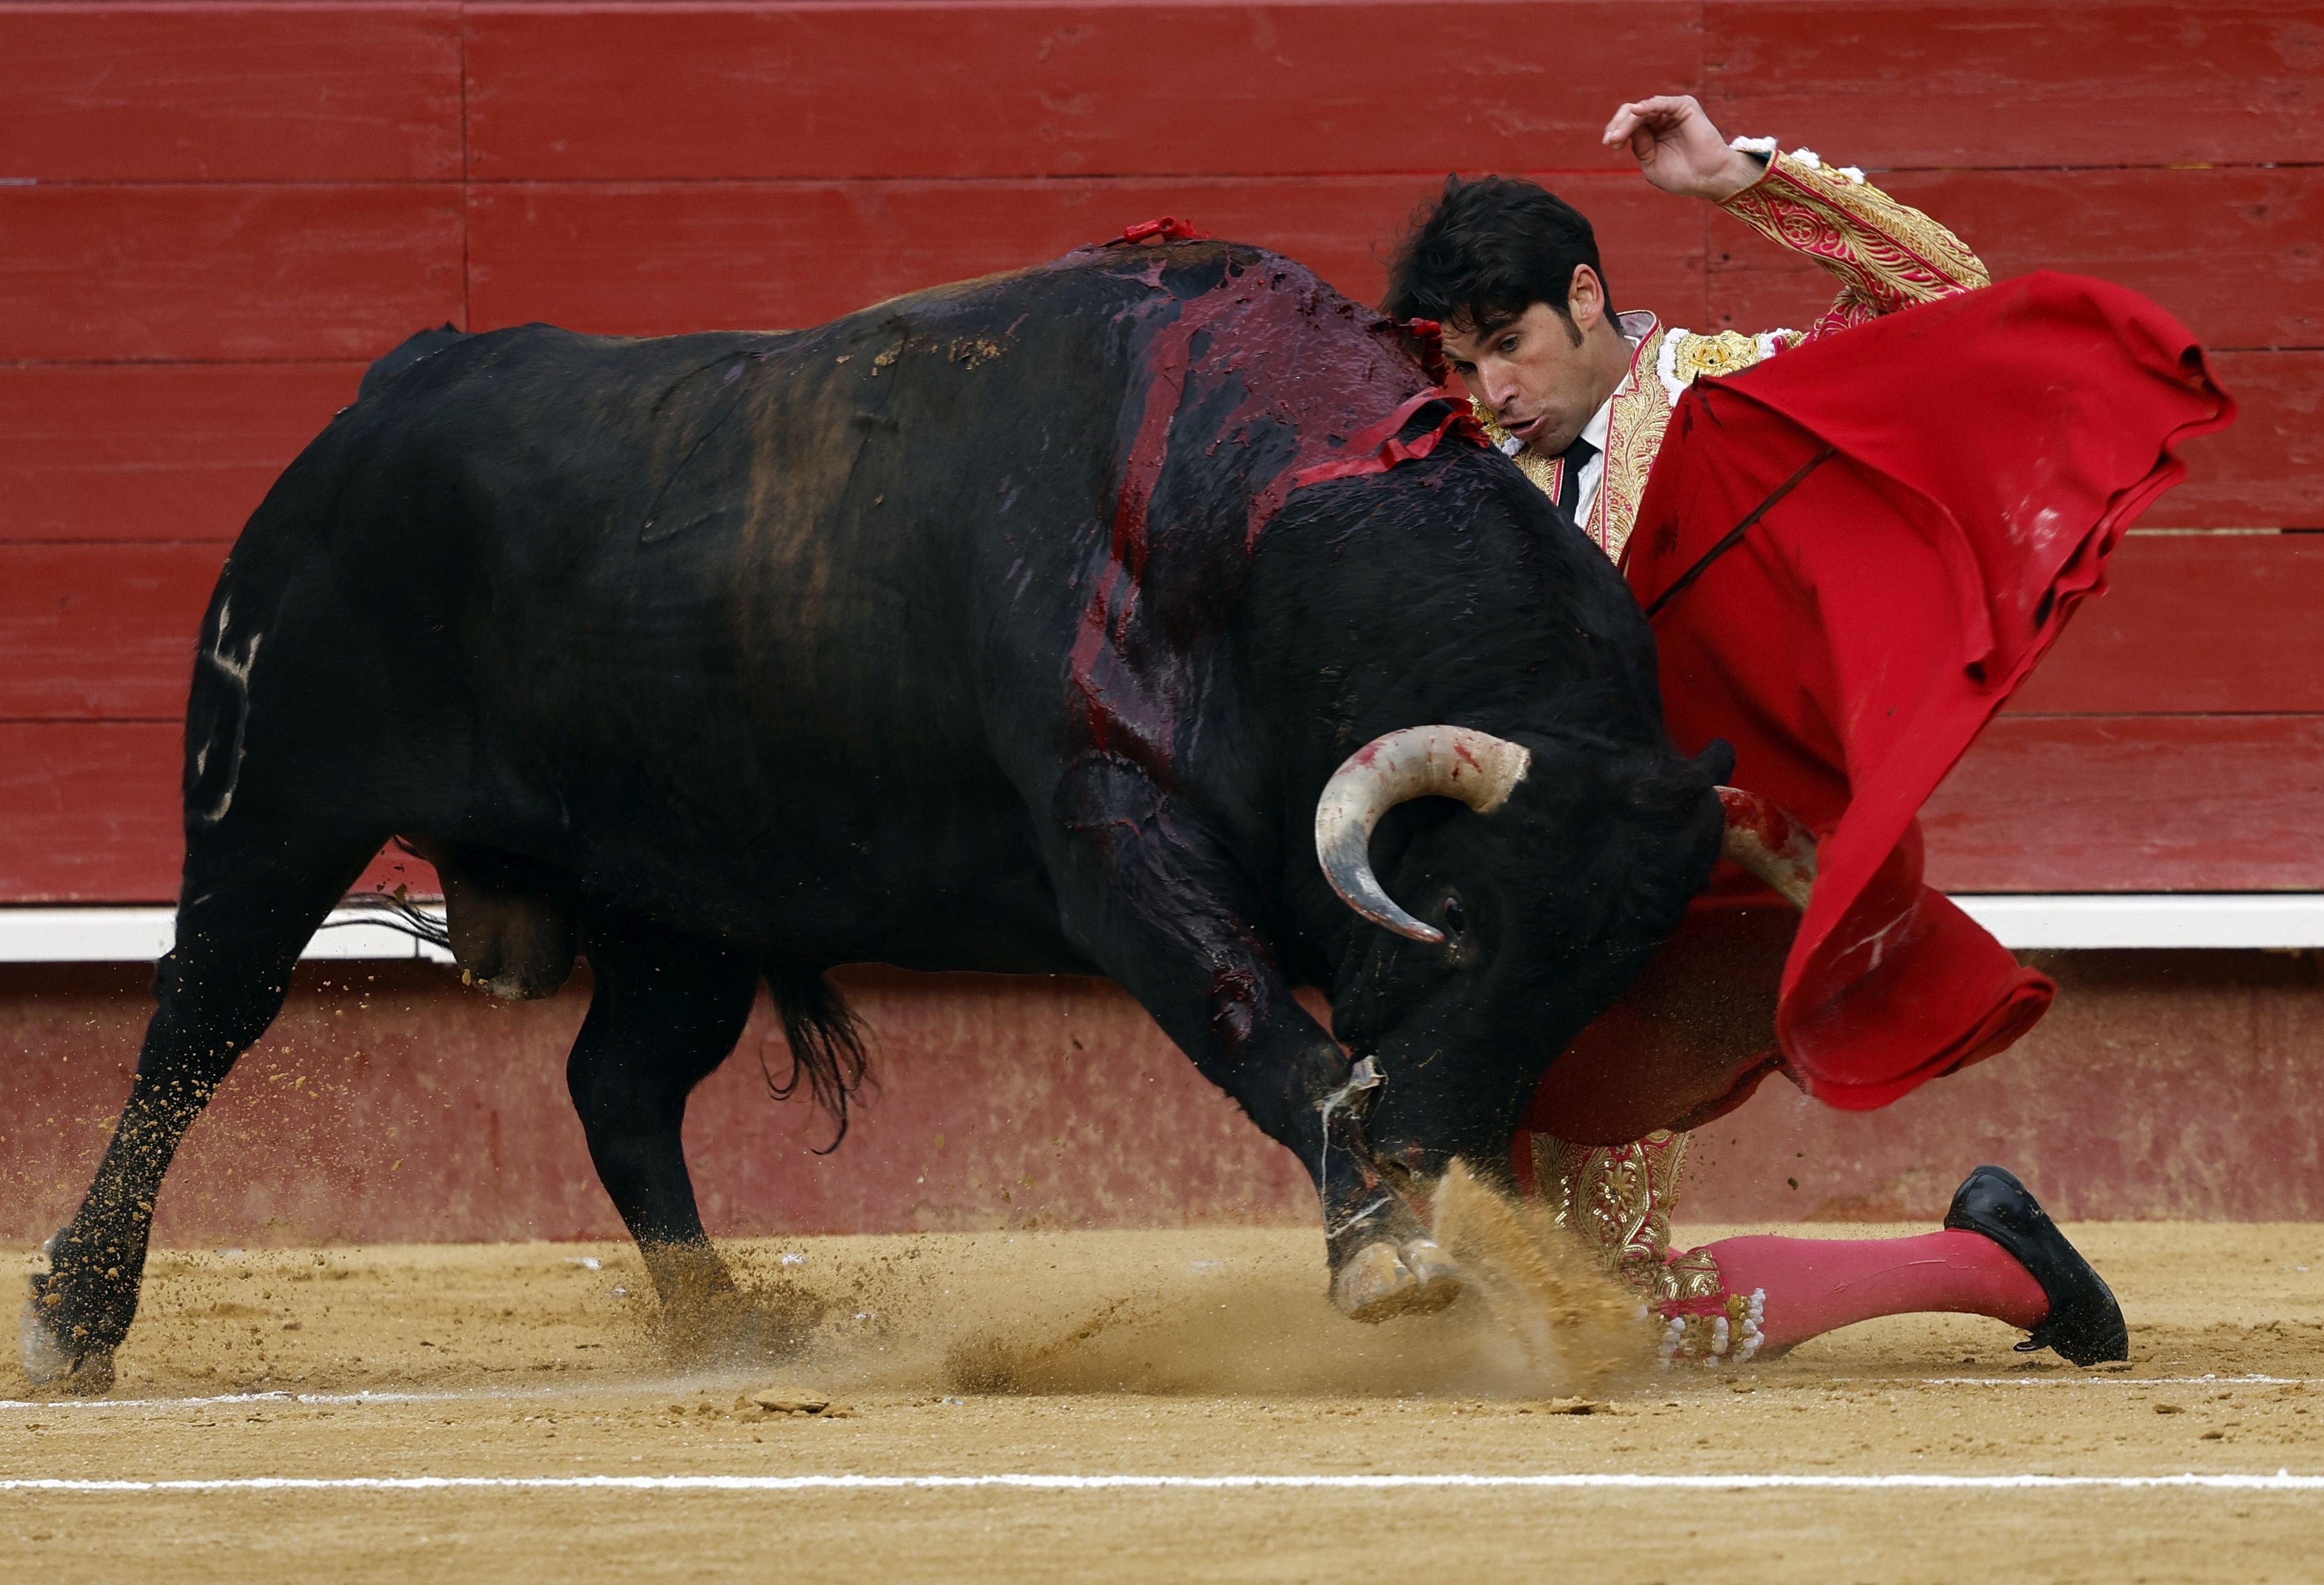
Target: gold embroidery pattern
[
  {"x": 1694, "y": 356},
  {"x": 1617, "y": 1199},
  {"x": 1887, "y": 255},
  {"x": 1634, "y": 434}
]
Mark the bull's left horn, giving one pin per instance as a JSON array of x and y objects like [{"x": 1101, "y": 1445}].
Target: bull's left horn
[
  {"x": 1414, "y": 762},
  {"x": 1770, "y": 843}
]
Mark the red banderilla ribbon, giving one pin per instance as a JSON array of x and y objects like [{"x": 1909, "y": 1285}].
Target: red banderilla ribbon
[
  {"x": 1376, "y": 449},
  {"x": 1169, "y": 228}
]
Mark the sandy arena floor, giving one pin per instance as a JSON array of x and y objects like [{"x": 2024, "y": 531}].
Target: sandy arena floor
[{"x": 531, "y": 1378}]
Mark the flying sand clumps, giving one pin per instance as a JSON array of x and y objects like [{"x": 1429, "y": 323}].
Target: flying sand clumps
[
  {"x": 1040, "y": 1314},
  {"x": 1566, "y": 1327}
]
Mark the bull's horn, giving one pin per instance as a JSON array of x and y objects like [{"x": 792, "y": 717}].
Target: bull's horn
[
  {"x": 1415, "y": 762},
  {"x": 1770, "y": 843}
]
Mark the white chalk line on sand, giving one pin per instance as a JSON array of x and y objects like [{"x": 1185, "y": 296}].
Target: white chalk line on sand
[
  {"x": 2281, "y": 1480},
  {"x": 2086, "y": 1381},
  {"x": 228, "y": 1400},
  {"x": 491, "y": 1395}
]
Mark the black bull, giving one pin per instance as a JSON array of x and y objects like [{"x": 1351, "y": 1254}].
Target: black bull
[{"x": 1016, "y": 626}]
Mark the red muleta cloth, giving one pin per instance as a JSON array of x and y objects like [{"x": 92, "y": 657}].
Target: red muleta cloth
[{"x": 1989, "y": 452}]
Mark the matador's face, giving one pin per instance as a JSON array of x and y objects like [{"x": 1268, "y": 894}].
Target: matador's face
[{"x": 1542, "y": 375}]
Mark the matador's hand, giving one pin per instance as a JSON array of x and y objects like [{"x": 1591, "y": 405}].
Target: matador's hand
[{"x": 1679, "y": 150}]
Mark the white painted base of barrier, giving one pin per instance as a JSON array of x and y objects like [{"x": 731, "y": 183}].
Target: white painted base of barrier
[
  {"x": 141, "y": 935},
  {"x": 2279, "y": 920},
  {"x": 2078, "y": 921}
]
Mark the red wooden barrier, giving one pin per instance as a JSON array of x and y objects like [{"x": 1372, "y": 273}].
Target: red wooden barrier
[
  {"x": 2191, "y": 624},
  {"x": 150, "y": 453},
  {"x": 2267, "y": 468},
  {"x": 2174, "y": 741},
  {"x": 91, "y": 810},
  {"x": 230, "y": 92},
  {"x": 691, "y": 91},
  {"x": 100, "y": 632},
  {"x": 651, "y": 259},
  {"x": 2133, "y": 803},
  {"x": 1996, "y": 83},
  {"x": 224, "y": 272},
  {"x": 214, "y": 213}
]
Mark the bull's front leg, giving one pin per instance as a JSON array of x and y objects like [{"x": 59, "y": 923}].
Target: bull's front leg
[
  {"x": 1383, "y": 1262},
  {"x": 1153, "y": 893}
]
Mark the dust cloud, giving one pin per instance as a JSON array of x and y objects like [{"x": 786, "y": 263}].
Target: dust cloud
[{"x": 1233, "y": 1312}]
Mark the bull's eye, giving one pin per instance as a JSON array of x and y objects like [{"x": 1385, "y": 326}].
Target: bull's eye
[{"x": 1455, "y": 921}]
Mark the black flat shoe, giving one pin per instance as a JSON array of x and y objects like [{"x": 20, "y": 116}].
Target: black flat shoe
[{"x": 2085, "y": 1324}]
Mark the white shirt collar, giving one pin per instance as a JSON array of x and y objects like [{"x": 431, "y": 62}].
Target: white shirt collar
[{"x": 1594, "y": 431}]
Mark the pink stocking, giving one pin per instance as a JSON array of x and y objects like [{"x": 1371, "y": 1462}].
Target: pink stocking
[{"x": 1815, "y": 1285}]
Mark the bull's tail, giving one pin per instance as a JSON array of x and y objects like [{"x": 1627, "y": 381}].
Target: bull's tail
[{"x": 825, "y": 1038}]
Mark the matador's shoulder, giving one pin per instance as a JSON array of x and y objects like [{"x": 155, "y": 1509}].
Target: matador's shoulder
[{"x": 1684, "y": 357}]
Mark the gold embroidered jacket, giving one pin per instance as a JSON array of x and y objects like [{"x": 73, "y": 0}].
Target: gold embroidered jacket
[{"x": 1884, "y": 255}]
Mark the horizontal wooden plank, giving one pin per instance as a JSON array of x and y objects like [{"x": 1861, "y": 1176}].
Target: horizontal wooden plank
[
  {"x": 2151, "y": 802},
  {"x": 2266, "y": 469},
  {"x": 154, "y": 451},
  {"x": 651, "y": 259},
  {"x": 101, "y": 631},
  {"x": 2039, "y": 804},
  {"x": 2237, "y": 254},
  {"x": 1998, "y": 82},
  {"x": 229, "y": 93},
  {"x": 91, "y": 811},
  {"x": 226, "y": 273},
  {"x": 2194, "y": 623},
  {"x": 170, "y": 451},
  {"x": 631, "y": 92}
]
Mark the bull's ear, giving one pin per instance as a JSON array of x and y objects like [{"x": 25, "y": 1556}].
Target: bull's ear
[{"x": 1716, "y": 764}]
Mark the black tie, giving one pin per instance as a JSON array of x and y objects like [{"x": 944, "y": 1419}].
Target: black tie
[{"x": 1569, "y": 484}]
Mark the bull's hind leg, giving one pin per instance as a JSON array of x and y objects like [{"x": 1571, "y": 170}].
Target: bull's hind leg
[
  {"x": 248, "y": 911},
  {"x": 667, "y": 1010}
]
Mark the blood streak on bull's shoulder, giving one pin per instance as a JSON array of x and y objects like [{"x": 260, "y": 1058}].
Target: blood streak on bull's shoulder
[{"x": 1296, "y": 359}]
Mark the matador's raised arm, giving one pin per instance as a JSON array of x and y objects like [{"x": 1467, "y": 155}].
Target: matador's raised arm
[{"x": 1885, "y": 255}]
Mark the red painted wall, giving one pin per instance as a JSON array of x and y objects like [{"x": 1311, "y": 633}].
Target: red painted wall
[
  {"x": 389, "y": 1103},
  {"x": 212, "y": 213}
]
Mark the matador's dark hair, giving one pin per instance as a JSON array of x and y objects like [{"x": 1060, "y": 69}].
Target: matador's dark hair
[{"x": 1488, "y": 249}]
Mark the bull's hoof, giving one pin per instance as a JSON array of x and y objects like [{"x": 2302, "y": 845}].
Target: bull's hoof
[
  {"x": 51, "y": 1366},
  {"x": 1382, "y": 1280}
]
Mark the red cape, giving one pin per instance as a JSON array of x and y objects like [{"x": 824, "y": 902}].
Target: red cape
[{"x": 1987, "y": 452}]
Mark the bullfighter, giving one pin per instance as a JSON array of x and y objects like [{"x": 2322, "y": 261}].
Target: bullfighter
[{"x": 1583, "y": 398}]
